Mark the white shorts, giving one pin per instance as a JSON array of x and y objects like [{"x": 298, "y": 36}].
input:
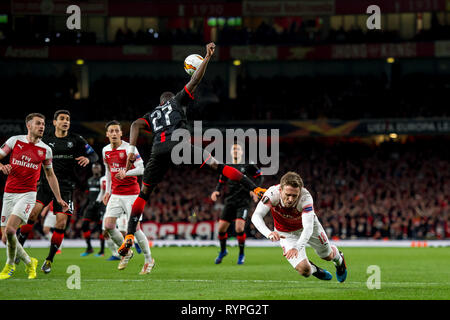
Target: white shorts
[
  {"x": 318, "y": 241},
  {"x": 119, "y": 207},
  {"x": 18, "y": 204},
  {"x": 50, "y": 220}
]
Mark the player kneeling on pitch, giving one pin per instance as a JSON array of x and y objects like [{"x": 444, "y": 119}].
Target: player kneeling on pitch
[{"x": 296, "y": 225}]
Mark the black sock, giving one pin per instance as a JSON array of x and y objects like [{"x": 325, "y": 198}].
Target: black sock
[
  {"x": 241, "y": 244},
  {"x": 223, "y": 241},
  {"x": 88, "y": 242},
  {"x": 132, "y": 224},
  {"x": 57, "y": 237},
  {"x": 102, "y": 245}
]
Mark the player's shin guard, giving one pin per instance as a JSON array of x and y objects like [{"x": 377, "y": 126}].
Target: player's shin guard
[
  {"x": 136, "y": 210},
  {"x": 337, "y": 256},
  {"x": 143, "y": 243},
  {"x": 20, "y": 253},
  {"x": 116, "y": 236},
  {"x": 11, "y": 246},
  {"x": 241, "y": 241},
  {"x": 55, "y": 243}
]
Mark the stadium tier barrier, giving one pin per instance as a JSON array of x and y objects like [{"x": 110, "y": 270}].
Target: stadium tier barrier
[{"x": 80, "y": 243}]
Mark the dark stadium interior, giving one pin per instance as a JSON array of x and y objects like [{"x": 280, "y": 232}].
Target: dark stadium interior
[{"x": 366, "y": 185}]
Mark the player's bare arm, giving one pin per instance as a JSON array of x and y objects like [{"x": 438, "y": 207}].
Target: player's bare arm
[
  {"x": 108, "y": 184},
  {"x": 90, "y": 155},
  {"x": 258, "y": 221},
  {"x": 135, "y": 128},
  {"x": 198, "y": 75},
  {"x": 54, "y": 185},
  {"x": 6, "y": 169},
  {"x": 215, "y": 195},
  {"x": 82, "y": 161}
]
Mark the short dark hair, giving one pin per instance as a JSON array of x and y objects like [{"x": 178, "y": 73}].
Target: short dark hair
[
  {"x": 57, "y": 113},
  {"x": 166, "y": 96},
  {"x": 113, "y": 123},
  {"x": 32, "y": 115},
  {"x": 292, "y": 179}
]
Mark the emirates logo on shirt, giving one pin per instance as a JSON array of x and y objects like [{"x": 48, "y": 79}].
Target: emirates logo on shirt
[{"x": 290, "y": 213}]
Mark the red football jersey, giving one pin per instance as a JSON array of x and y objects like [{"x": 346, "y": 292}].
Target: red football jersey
[
  {"x": 116, "y": 159},
  {"x": 26, "y": 159},
  {"x": 287, "y": 219}
]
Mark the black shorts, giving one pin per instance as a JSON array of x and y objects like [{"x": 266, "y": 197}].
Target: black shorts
[
  {"x": 232, "y": 212},
  {"x": 45, "y": 196},
  {"x": 94, "y": 211},
  {"x": 161, "y": 160}
]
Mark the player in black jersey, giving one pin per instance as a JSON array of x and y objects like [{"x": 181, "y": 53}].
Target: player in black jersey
[
  {"x": 162, "y": 122},
  {"x": 93, "y": 211},
  {"x": 237, "y": 203},
  {"x": 70, "y": 150}
]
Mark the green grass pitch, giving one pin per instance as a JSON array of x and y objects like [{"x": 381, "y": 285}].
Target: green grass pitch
[{"x": 189, "y": 273}]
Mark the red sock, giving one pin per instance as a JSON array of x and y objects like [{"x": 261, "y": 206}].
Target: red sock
[
  {"x": 101, "y": 236},
  {"x": 87, "y": 234},
  {"x": 26, "y": 228},
  {"x": 223, "y": 236},
  {"x": 138, "y": 207},
  {"x": 57, "y": 238},
  {"x": 241, "y": 238},
  {"x": 232, "y": 173}
]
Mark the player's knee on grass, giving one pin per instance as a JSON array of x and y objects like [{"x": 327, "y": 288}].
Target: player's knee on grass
[{"x": 304, "y": 268}]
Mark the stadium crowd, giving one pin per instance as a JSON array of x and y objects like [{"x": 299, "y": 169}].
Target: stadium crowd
[
  {"x": 390, "y": 191},
  {"x": 332, "y": 97}
]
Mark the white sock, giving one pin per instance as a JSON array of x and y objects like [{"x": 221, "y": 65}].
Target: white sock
[
  {"x": 143, "y": 243},
  {"x": 337, "y": 257},
  {"x": 116, "y": 237},
  {"x": 21, "y": 253},
  {"x": 11, "y": 246},
  {"x": 313, "y": 269},
  {"x": 112, "y": 246}
]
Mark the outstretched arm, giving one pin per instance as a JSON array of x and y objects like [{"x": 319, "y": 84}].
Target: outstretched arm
[{"x": 198, "y": 75}]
